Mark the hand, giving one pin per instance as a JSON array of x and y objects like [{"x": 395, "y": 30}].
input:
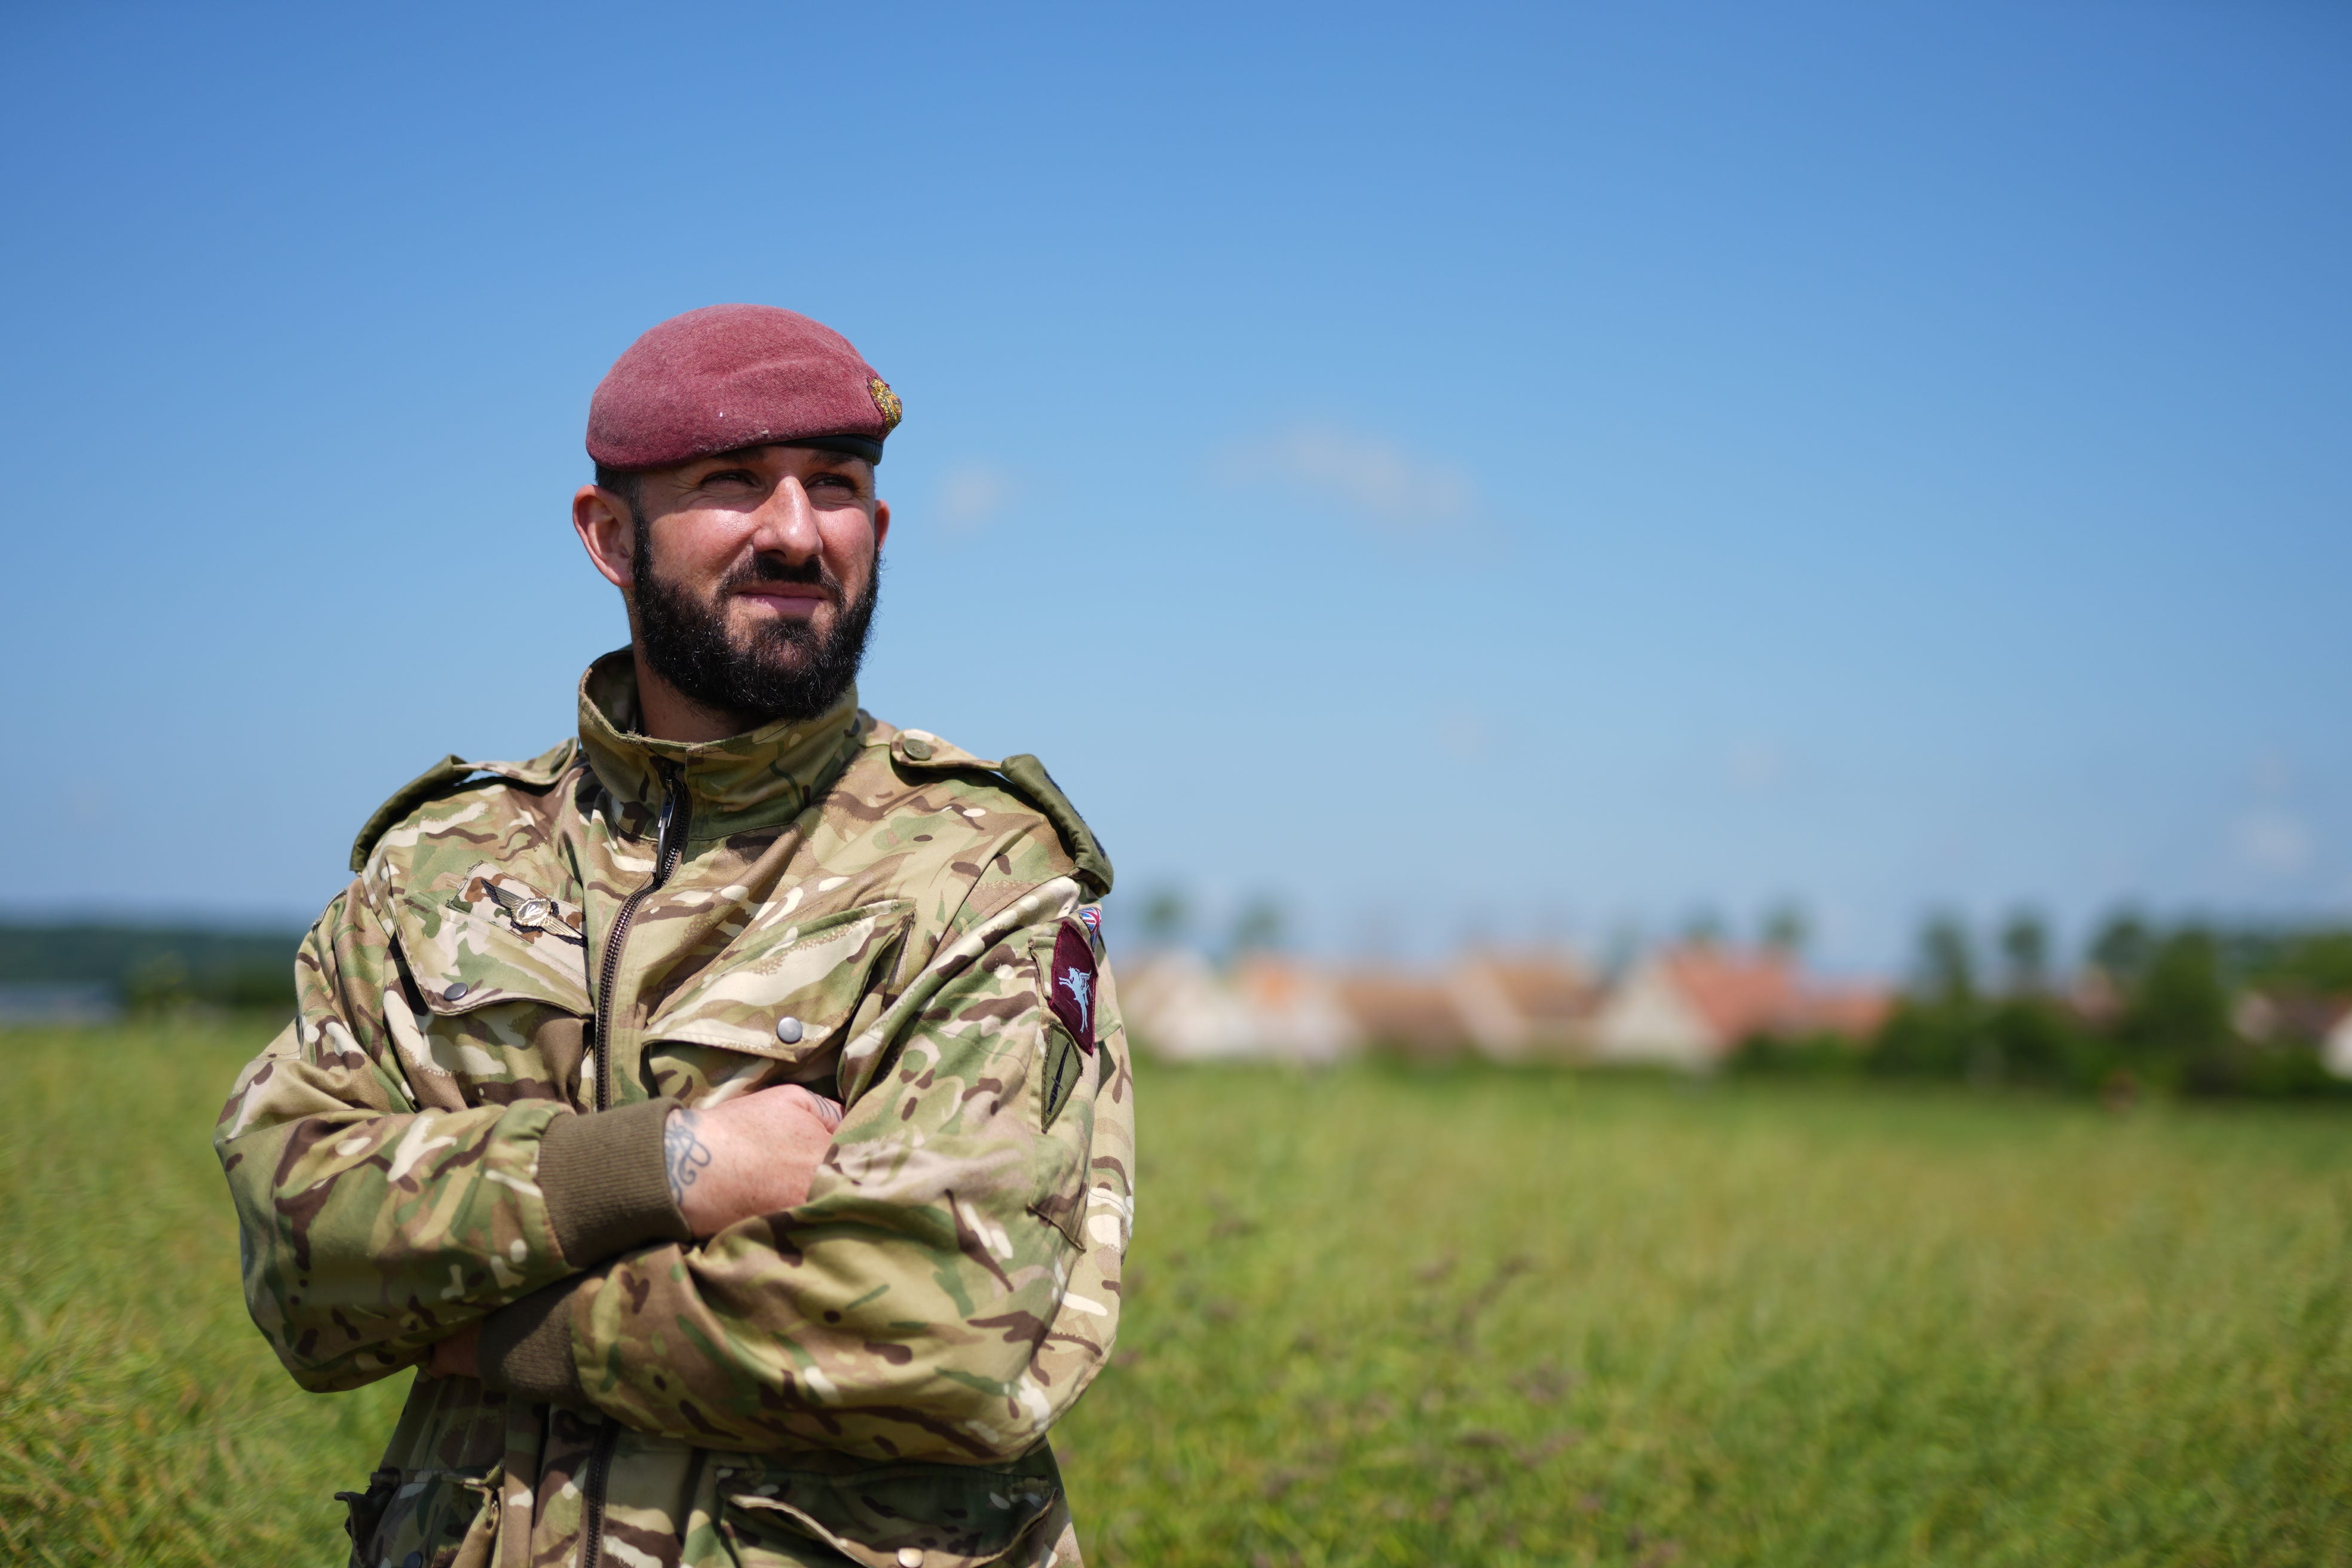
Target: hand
[
  {"x": 755, "y": 1155},
  {"x": 458, "y": 1355}
]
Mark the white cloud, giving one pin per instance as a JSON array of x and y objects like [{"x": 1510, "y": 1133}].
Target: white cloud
[
  {"x": 2273, "y": 841},
  {"x": 973, "y": 494},
  {"x": 1376, "y": 480}
]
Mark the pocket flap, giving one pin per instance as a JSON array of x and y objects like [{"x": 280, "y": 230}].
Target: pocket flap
[
  {"x": 494, "y": 941},
  {"x": 814, "y": 972},
  {"x": 934, "y": 1516}
]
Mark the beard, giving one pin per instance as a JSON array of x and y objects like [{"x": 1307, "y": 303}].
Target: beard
[{"x": 785, "y": 669}]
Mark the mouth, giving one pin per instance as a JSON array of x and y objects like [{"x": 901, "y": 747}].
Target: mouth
[{"x": 796, "y": 600}]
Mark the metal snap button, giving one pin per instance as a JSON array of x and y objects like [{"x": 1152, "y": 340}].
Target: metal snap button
[
  {"x": 788, "y": 1029},
  {"x": 456, "y": 992}
]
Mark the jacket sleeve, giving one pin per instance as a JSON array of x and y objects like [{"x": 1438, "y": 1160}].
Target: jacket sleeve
[
  {"x": 951, "y": 1285},
  {"x": 377, "y": 1210}
]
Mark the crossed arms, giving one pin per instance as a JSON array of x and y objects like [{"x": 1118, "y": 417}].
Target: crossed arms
[
  {"x": 751, "y": 1156},
  {"x": 893, "y": 1287}
]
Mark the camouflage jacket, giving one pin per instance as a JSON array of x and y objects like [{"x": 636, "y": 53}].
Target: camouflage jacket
[{"x": 463, "y": 1123}]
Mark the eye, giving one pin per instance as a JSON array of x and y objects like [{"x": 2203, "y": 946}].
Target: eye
[{"x": 730, "y": 477}]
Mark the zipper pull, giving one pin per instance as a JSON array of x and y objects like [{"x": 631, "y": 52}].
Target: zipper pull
[{"x": 669, "y": 836}]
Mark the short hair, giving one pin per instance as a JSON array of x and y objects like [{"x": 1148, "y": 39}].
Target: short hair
[{"x": 626, "y": 483}]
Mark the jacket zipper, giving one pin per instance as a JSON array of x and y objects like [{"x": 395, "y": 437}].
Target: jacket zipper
[
  {"x": 591, "y": 1507},
  {"x": 669, "y": 849}
]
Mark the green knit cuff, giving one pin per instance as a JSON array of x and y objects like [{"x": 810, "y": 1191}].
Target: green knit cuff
[
  {"x": 526, "y": 1348},
  {"x": 607, "y": 1183}
]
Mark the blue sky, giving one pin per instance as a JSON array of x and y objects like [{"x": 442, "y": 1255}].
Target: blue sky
[{"x": 1469, "y": 471}]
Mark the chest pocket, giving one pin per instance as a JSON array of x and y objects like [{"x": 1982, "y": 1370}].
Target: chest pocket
[
  {"x": 495, "y": 940},
  {"x": 502, "y": 974},
  {"x": 789, "y": 992}
]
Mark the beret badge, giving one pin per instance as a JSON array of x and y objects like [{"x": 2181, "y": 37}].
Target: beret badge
[{"x": 888, "y": 401}]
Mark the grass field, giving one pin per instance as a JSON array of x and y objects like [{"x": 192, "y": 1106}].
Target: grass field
[{"x": 1385, "y": 1317}]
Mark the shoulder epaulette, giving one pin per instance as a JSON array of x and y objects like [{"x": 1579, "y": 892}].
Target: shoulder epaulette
[
  {"x": 920, "y": 752},
  {"x": 444, "y": 776}
]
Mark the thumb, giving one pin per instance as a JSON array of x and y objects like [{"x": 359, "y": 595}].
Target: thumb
[{"x": 828, "y": 1111}]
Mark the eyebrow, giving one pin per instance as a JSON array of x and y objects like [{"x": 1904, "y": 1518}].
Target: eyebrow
[
  {"x": 842, "y": 462},
  {"x": 828, "y": 461}
]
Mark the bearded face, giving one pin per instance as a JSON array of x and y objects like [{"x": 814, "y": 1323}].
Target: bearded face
[{"x": 765, "y": 669}]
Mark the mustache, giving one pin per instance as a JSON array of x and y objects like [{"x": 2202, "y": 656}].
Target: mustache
[{"x": 768, "y": 569}]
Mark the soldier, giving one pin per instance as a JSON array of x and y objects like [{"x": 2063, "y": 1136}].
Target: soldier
[{"x": 725, "y": 1114}]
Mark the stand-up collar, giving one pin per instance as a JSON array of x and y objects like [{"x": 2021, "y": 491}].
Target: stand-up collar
[{"x": 759, "y": 779}]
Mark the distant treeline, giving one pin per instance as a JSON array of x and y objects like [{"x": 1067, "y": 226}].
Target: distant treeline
[
  {"x": 149, "y": 968},
  {"x": 2190, "y": 1008}
]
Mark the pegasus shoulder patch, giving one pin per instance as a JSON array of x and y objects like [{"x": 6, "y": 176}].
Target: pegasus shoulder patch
[{"x": 1070, "y": 983}]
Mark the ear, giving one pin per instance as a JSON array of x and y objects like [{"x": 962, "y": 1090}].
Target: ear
[
  {"x": 607, "y": 533},
  {"x": 881, "y": 524}
]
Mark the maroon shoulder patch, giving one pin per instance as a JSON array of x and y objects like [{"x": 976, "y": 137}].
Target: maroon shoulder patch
[{"x": 1071, "y": 984}]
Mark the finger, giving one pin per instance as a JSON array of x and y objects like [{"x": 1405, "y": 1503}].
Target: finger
[{"x": 828, "y": 1111}]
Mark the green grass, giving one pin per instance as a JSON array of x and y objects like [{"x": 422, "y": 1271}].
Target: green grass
[
  {"x": 142, "y": 1418},
  {"x": 1385, "y": 1317}
]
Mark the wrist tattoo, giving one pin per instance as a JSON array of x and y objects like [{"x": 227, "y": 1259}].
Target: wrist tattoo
[{"x": 685, "y": 1155}]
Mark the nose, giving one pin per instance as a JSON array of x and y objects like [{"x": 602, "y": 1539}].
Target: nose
[{"x": 785, "y": 523}]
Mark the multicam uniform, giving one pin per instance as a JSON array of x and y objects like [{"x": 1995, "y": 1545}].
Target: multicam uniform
[{"x": 464, "y": 1123}]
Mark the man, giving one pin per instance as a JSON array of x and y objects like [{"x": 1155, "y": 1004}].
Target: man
[{"x": 726, "y": 1113}]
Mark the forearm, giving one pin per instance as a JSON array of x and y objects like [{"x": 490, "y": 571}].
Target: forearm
[
  {"x": 846, "y": 1337},
  {"x": 379, "y": 1210},
  {"x": 368, "y": 1236}
]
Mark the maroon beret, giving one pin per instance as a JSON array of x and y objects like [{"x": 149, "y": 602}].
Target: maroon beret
[{"x": 736, "y": 375}]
